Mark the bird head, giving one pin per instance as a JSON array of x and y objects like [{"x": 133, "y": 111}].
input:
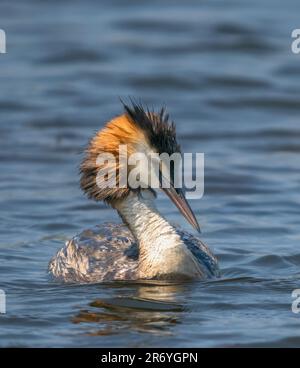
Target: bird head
[{"x": 137, "y": 131}]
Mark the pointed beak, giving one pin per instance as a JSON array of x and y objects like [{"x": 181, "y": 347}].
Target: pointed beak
[{"x": 178, "y": 198}]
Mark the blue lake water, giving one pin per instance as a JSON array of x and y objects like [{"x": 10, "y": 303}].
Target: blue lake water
[{"x": 226, "y": 72}]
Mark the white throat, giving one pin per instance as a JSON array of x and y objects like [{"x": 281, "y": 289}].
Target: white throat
[{"x": 162, "y": 251}]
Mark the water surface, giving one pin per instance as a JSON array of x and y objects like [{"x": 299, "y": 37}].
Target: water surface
[{"x": 232, "y": 85}]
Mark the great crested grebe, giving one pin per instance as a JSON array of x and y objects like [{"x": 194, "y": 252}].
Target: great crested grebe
[{"x": 146, "y": 246}]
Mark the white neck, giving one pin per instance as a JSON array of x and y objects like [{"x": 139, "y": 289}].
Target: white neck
[{"x": 162, "y": 251}]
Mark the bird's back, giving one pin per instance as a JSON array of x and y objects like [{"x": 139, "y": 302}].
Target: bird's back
[{"x": 109, "y": 252}]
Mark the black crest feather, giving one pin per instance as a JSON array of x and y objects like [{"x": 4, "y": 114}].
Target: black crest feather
[{"x": 157, "y": 127}]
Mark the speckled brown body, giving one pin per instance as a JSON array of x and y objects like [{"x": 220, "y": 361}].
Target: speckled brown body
[{"x": 109, "y": 252}]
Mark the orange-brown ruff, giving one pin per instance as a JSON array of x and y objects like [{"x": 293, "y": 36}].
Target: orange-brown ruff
[
  {"x": 146, "y": 246},
  {"x": 119, "y": 131}
]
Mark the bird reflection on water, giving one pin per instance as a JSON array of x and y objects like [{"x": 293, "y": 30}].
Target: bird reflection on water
[{"x": 151, "y": 306}]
